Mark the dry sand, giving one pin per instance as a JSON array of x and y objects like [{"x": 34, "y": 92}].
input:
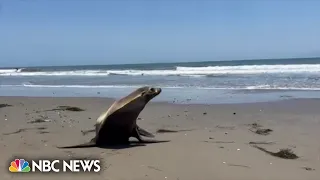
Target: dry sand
[{"x": 216, "y": 148}]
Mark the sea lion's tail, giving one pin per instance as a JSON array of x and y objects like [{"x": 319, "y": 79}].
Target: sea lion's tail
[
  {"x": 88, "y": 144},
  {"x": 145, "y": 133}
]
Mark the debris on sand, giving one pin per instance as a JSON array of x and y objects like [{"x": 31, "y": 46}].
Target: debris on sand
[
  {"x": 226, "y": 127},
  {"x": 256, "y": 128},
  {"x": 64, "y": 108},
  {"x": 165, "y": 131},
  {"x": 42, "y": 119},
  {"x": 23, "y": 130},
  {"x": 219, "y": 142},
  {"x": 261, "y": 142},
  {"x": 5, "y": 105},
  {"x": 15, "y": 132},
  {"x": 70, "y": 108},
  {"x": 255, "y": 125},
  {"x": 171, "y": 131},
  {"x": 283, "y": 153},
  {"x": 238, "y": 165},
  {"x": 43, "y": 132},
  {"x": 152, "y": 167},
  {"x": 308, "y": 168},
  {"x": 262, "y": 131},
  {"x": 38, "y": 121}
]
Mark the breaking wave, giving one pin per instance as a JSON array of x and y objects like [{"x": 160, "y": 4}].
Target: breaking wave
[{"x": 209, "y": 71}]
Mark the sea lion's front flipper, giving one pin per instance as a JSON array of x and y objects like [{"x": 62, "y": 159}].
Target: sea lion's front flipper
[
  {"x": 136, "y": 134},
  {"x": 143, "y": 132}
]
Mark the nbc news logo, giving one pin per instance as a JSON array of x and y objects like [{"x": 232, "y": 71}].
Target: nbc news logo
[{"x": 22, "y": 166}]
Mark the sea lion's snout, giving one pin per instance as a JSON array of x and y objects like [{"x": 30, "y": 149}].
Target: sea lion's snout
[
  {"x": 153, "y": 92},
  {"x": 157, "y": 90}
]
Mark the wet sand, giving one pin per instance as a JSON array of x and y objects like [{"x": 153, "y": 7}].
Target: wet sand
[{"x": 216, "y": 144}]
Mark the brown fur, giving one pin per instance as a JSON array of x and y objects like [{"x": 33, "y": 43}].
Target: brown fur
[{"x": 118, "y": 123}]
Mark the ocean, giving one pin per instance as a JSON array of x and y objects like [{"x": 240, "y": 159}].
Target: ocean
[{"x": 192, "y": 82}]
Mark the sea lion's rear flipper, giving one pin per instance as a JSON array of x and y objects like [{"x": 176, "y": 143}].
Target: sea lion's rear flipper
[
  {"x": 143, "y": 132},
  {"x": 91, "y": 143}
]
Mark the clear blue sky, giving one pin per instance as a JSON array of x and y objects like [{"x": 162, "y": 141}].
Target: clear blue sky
[{"x": 68, "y": 32}]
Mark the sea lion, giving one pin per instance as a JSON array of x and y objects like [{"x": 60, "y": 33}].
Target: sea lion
[{"x": 119, "y": 122}]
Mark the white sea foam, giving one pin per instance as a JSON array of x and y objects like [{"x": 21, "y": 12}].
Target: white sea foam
[
  {"x": 178, "y": 71},
  {"x": 257, "y": 87},
  {"x": 222, "y": 70},
  {"x": 252, "y": 69},
  {"x": 55, "y": 73},
  {"x": 5, "y": 71}
]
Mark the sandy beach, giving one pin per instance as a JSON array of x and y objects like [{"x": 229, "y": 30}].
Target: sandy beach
[{"x": 211, "y": 142}]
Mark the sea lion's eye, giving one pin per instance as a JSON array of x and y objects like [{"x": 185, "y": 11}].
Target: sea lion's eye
[{"x": 152, "y": 90}]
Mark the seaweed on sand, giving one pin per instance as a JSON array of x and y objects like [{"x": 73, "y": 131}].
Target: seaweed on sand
[
  {"x": 63, "y": 108},
  {"x": 219, "y": 141},
  {"x": 165, "y": 131},
  {"x": 308, "y": 168},
  {"x": 42, "y": 132},
  {"x": 5, "y": 105},
  {"x": 261, "y": 142},
  {"x": 255, "y": 125},
  {"x": 256, "y": 128},
  {"x": 42, "y": 119},
  {"x": 171, "y": 131},
  {"x": 262, "y": 131},
  {"x": 283, "y": 153},
  {"x": 16, "y": 132},
  {"x": 69, "y": 108},
  {"x": 23, "y": 130},
  {"x": 226, "y": 127},
  {"x": 39, "y": 120}
]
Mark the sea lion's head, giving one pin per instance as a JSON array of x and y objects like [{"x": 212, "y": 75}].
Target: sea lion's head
[{"x": 148, "y": 93}]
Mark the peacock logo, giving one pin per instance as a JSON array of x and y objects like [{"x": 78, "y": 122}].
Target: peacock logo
[{"x": 19, "y": 165}]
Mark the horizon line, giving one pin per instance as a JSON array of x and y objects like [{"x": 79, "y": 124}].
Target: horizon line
[{"x": 181, "y": 62}]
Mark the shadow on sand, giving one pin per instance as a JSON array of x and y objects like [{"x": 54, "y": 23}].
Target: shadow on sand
[
  {"x": 131, "y": 144},
  {"x": 121, "y": 146}
]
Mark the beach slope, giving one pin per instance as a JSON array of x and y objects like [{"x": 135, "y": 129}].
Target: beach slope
[{"x": 208, "y": 141}]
